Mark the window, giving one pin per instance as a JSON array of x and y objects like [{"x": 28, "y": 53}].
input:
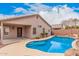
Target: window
[
  {"x": 6, "y": 30},
  {"x": 43, "y": 30},
  {"x": 34, "y": 30}
]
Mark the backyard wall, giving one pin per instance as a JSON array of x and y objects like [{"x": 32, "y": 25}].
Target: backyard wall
[{"x": 69, "y": 32}]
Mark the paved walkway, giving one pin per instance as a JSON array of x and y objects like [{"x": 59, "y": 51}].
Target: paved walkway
[
  {"x": 10, "y": 41},
  {"x": 19, "y": 49}
]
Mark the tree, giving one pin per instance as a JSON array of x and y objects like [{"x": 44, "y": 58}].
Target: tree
[{"x": 75, "y": 22}]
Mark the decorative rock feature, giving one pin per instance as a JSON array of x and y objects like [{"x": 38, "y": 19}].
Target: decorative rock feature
[
  {"x": 70, "y": 52},
  {"x": 74, "y": 51}
]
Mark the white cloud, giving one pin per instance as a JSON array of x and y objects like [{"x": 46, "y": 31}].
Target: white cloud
[
  {"x": 37, "y": 7},
  {"x": 34, "y": 8},
  {"x": 2, "y": 16},
  {"x": 20, "y": 9},
  {"x": 24, "y": 11},
  {"x": 75, "y": 8},
  {"x": 65, "y": 12}
]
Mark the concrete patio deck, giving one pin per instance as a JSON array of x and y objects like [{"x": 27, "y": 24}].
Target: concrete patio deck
[{"x": 10, "y": 41}]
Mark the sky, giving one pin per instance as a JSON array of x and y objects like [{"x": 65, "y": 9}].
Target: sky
[{"x": 53, "y": 13}]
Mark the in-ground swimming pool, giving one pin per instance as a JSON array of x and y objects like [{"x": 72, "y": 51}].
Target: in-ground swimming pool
[{"x": 56, "y": 44}]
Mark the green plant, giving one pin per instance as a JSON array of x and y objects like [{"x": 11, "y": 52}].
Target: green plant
[
  {"x": 44, "y": 34},
  {"x": 73, "y": 27},
  {"x": 77, "y": 27},
  {"x": 36, "y": 37},
  {"x": 67, "y": 27}
]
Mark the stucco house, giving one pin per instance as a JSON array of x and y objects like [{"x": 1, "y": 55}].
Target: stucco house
[{"x": 23, "y": 26}]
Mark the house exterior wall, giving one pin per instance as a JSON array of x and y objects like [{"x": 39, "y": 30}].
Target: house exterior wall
[
  {"x": 38, "y": 22},
  {"x": 33, "y": 21},
  {"x": 13, "y": 31}
]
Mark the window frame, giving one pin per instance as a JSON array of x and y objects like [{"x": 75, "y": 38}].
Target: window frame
[
  {"x": 6, "y": 32},
  {"x": 34, "y": 30}
]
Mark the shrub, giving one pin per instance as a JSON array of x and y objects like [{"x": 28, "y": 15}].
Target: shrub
[
  {"x": 73, "y": 27},
  {"x": 67, "y": 27},
  {"x": 37, "y": 37},
  {"x": 77, "y": 27},
  {"x": 44, "y": 34}
]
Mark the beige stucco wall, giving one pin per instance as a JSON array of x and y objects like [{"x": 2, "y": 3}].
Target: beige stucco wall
[
  {"x": 33, "y": 21},
  {"x": 38, "y": 22},
  {"x": 13, "y": 31}
]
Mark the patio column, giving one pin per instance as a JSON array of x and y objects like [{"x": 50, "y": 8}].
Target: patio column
[{"x": 2, "y": 32}]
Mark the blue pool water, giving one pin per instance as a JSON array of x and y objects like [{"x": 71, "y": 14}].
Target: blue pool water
[{"x": 56, "y": 44}]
